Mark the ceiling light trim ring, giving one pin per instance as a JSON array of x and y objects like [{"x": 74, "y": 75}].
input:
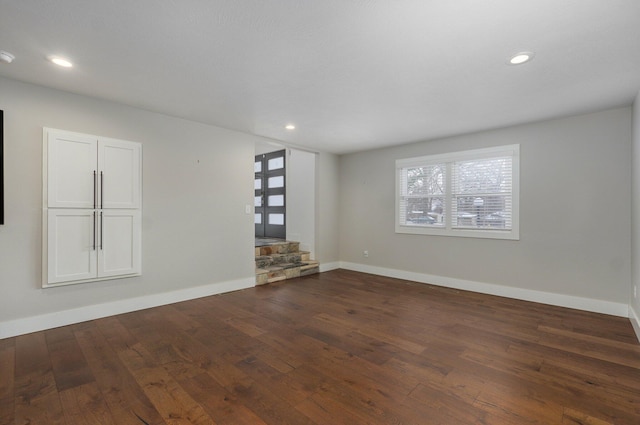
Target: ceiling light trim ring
[
  {"x": 60, "y": 61},
  {"x": 520, "y": 58},
  {"x": 6, "y": 57}
]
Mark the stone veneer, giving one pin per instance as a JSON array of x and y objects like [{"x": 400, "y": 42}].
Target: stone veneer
[{"x": 280, "y": 260}]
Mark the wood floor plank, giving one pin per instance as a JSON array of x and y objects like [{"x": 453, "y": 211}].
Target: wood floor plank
[
  {"x": 37, "y": 398},
  {"x": 7, "y": 380},
  {"x": 85, "y": 405},
  {"x": 339, "y": 347},
  {"x": 173, "y": 403},
  {"x": 123, "y": 395},
  {"x": 357, "y": 403},
  {"x": 290, "y": 390},
  {"x": 322, "y": 410},
  {"x": 517, "y": 403},
  {"x": 574, "y": 417},
  {"x": 219, "y": 403},
  {"x": 449, "y": 408},
  {"x": 596, "y": 348},
  {"x": 269, "y": 406},
  {"x": 70, "y": 368}
]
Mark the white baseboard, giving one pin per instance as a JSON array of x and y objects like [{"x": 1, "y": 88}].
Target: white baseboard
[
  {"x": 587, "y": 304},
  {"x": 635, "y": 321},
  {"x": 329, "y": 266},
  {"x": 68, "y": 317},
  {"x": 62, "y": 318}
]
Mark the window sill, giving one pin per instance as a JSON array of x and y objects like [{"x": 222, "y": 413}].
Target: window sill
[{"x": 462, "y": 233}]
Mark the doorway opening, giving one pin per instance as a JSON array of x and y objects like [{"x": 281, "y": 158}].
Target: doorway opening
[{"x": 270, "y": 195}]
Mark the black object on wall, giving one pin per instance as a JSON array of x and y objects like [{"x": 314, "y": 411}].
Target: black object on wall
[{"x": 1, "y": 169}]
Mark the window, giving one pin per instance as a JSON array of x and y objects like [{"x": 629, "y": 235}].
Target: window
[{"x": 471, "y": 193}]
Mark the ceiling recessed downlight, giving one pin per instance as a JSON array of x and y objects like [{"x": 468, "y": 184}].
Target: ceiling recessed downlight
[
  {"x": 290, "y": 127},
  {"x": 6, "y": 57},
  {"x": 60, "y": 61},
  {"x": 521, "y": 57}
]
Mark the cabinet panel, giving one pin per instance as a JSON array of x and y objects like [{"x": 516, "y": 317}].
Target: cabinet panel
[
  {"x": 120, "y": 241},
  {"x": 71, "y": 167},
  {"x": 71, "y": 243},
  {"x": 120, "y": 168}
]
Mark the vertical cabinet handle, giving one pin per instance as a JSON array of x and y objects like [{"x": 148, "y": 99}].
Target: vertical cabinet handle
[
  {"x": 95, "y": 189},
  {"x": 101, "y": 227},
  {"x": 94, "y": 230},
  {"x": 101, "y": 189}
]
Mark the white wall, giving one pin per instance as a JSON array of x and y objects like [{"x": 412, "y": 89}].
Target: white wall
[
  {"x": 197, "y": 238},
  {"x": 301, "y": 199},
  {"x": 327, "y": 210},
  {"x": 267, "y": 147},
  {"x": 634, "y": 302},
  {"x": 575, "y": 216}
]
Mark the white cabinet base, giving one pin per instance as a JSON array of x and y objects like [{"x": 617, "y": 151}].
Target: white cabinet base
[
  {"x": 71, "y": 244},
  {"x": 92, "y": 199},
  {"x": 119, "y": 247},
  {"x": 90, "y": 245}
]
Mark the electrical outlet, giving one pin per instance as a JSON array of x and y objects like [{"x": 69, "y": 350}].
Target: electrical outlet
[{"x": 365, "y": 254}]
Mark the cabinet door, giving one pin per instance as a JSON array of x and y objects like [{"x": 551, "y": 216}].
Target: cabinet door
[
  {"x": 119, "y": 247},
  {"x": 120, "y": 174},
  {"x": 71, "y": 170},
  {"x": 71, "y": 244}
]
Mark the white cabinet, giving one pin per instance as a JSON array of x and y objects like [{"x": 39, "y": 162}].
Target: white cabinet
[
  {"x": 119, "y": 242},
  {"x": 71, "y": 170},
  {"x": 92, "y": 208},
  {"x": 92, "y": 244},
  {"x": 91, "y": 172},
  {"x": 71, "y": 245}
]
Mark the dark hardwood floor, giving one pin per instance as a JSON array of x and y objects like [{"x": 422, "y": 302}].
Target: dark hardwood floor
[{"x": 335, "y": 348}]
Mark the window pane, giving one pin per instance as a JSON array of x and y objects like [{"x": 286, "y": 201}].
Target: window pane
[
  {"x": 482, "y": 176},
  {"x": 276, "y": 201},
  {"x": 276, "y": 163},
  {"x": 426, "y": 180},
  {"x": 276, "y": 219},
  {"x": 482, "y": 193},
  {"x": 424, "y": 211},
  {"x": 257, "y": 166},
  {"x": 483, "y": 212},
  {"x": 418, "y": 207},
  {"x": 257, "y": 201},
  {"x": 257, "y": 218},
  {"x": 275, "y": 182},
  {"x": 487, "y": 211},
  {"x": 257, "y": 184}
]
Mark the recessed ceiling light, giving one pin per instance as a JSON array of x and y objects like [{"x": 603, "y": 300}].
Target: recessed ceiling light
[
  {"x": 60, "y": 61},
  {"x": 521, "y": 57},
  {"x": 290, "y": 127},
  {"x": 6, "y": 57}
]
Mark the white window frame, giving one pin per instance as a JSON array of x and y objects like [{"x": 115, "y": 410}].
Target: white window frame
[{"x": 449, "y": 158}]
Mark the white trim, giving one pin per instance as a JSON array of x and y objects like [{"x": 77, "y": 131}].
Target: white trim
[
  {"x": 329, "y": 266},
  {"x": 513, "y": 234},
  {"x": 635, "y": 321},
  {"x": 561, "y": 300},
  {"x": 505, "y": 150},
  {"x": 447, "y": 159},
  {"x": 68, "y": 317}
]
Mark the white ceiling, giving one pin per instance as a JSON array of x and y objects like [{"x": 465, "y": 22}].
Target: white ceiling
[{"x": 350, "y": 74}]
